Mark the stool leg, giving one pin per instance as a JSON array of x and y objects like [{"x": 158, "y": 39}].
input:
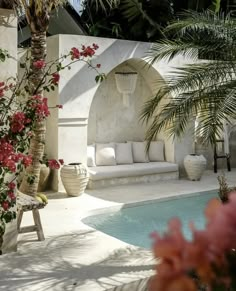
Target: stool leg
[
  {"x": 19, "y": 219},
  {"x": 37, "y": 222}
]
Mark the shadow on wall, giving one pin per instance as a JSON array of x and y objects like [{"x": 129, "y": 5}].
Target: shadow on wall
[
  {"x": 84, "y": 80},
  {"x": 6, "y": 19}
]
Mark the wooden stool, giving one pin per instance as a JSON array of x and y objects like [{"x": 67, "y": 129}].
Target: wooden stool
[{"x": 29, "y": 203}]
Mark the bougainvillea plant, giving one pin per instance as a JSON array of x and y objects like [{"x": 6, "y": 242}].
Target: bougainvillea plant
[
  {"x": 207, "y": 262},
  {"x": 19, "y": 111}
]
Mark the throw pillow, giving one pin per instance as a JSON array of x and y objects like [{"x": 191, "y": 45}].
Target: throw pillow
[
  {"x": 156, "y": 151},
  {"x": 91, "y": 156},
  {"x": 105, "y": 154},
  {"x": 139, "y": 152},
  {"x": 124, "y": 153}
]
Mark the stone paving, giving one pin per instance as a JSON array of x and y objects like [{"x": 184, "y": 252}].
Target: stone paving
[{"x": 77, "y": 257}]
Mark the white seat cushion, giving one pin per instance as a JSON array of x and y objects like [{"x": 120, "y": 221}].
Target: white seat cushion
[
  {"x": 139, "y": 152},
  {"x": 124, "y": 153},
  {"x": 91, "y": 156},
  {"x": 105, "y": 154},
  {"x": 156, "y": 151},
  {"x": 136, "y": 169}
]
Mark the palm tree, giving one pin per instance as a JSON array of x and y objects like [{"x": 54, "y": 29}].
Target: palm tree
[
  {"x": 206, "y": 88},
  {"x": 37, "y": 13},
  {"x": 130, "y": 19}
]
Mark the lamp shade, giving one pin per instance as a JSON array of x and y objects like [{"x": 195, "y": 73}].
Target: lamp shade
[{"x": 126, "y": 83}]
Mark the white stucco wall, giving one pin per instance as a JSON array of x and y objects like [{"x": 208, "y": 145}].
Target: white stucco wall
[
  {"x": 8, "y": 41},
  {"x": 77, "y": 90},
  {"x": 109, "y": 119}
]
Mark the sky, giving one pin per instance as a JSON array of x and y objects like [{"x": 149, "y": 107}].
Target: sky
[{"x": 76, "y": 4}]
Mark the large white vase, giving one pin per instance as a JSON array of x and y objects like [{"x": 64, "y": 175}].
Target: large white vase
[
  {"x": 74, "y": 178},
  {"x": 194, "y": 165}
]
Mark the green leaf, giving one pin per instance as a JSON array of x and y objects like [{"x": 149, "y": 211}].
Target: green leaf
[{"x": 2, "y": 57}]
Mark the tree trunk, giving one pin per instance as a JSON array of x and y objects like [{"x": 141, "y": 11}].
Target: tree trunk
[{"x": 38, "y": 52}]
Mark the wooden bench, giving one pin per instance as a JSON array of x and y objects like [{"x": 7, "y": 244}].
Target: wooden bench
[{"x": 29, "y": 203}]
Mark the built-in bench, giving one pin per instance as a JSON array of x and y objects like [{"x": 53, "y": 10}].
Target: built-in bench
[
  {"x": 104, "y": 176},
  {"x": 126, "y": 163}
]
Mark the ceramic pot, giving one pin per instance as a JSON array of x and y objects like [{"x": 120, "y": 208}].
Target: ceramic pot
[
  {"x": 194, "y": 165},
  {"x": 43, "y": 177},
  {"x": 74, "y": 178}
]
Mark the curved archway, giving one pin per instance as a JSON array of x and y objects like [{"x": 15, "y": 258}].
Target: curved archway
[{"x": 108, "y": 119}]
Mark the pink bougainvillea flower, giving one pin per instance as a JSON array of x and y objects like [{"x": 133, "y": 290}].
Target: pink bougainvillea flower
[
  {"x": 59, "y": 106},
  {"x": 11, "y": 185},
  {"x": 5, "y": 205},
  {"x": 11, "y": 195},
  {"x": 18, "y": 121},
  {"x": 2, "y": 84},
  {"x": 10, "y": 164},
  {"x": 95, "y": 46},
  {"x": 27, "y": 161},
  {"x": 1, "y": 92},
  {"x": 61, "y": 161},
  {"x": 98, "y": 66},
  {"x": 75, "y": 53},
  {"x": 87, "y": 51},
  {"x": 41, "y": 107},
  {"x": 53, "y": 164},
  {"x": 39, "y": 64},
  {"x": 55, "y": 78}
]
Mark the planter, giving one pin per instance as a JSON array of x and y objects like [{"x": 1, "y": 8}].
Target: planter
[
  {"x": 194, "y": 165},
  {"x": 43, "y": 177},
  {"x": 74, "y": 178}
]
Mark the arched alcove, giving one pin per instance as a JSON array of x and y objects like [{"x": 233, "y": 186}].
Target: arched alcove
[{"x": 109, "y": 120}]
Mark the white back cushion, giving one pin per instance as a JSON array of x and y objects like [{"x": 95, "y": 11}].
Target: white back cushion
[
  {"x": 91, "y": 156},
  {"x": 139, "y": 152},
  {"x": 105, "y": 154},
  {"x": 124, "y": 153},
  {"x": 156, "y": 151}
]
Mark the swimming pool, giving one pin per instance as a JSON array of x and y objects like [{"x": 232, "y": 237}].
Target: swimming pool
[{"x": 134, "y": 224}]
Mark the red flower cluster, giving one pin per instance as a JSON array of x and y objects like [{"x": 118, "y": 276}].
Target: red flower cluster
[
  {"x": 75, "y": 54},
  {"x": 86, "y": 51},
  {"x": 207, "y": 254},
  {"x": 54, "y": 164},
  {"x": 18, "y": 122},
  {"x": 9, "y": 158},
  {"x": 40, "y": 105},
  {"x": 55, "y": 78},
  {"x": 40, "y": 64}
]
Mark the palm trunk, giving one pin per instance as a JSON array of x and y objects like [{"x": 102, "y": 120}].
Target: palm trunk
[{"x": 38, "y": 52}]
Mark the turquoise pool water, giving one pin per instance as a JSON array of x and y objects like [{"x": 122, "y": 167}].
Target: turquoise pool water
[{"x": 133, "y": 225}]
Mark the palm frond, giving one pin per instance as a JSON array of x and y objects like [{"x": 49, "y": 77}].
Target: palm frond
[
  {"x": 104, "y": 3},
  {"x": 133, "y": 9},
  {"x": 204, "y": 88}
]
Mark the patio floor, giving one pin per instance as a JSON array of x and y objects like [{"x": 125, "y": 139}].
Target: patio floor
[{"x": 77, "y": 257}]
